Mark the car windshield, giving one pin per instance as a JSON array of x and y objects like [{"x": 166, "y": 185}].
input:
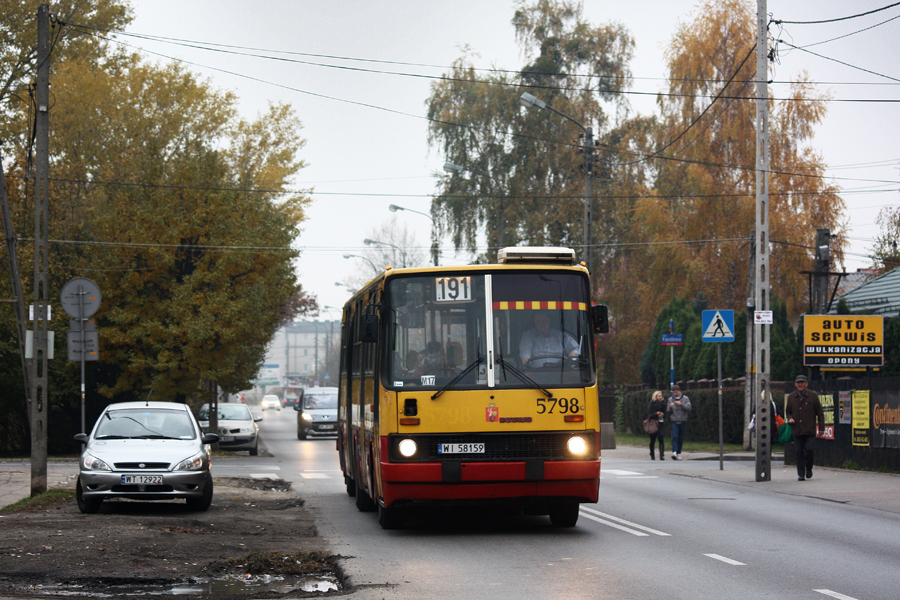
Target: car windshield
[
  {"x": 314, "y": 401},
  {"x": 534, "y": 323},
  {"x": 228, "y": 412},
  {"x": 145, "y": 423}
]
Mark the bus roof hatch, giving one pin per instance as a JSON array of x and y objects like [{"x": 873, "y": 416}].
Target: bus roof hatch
[{"x": 536, "y": 254}]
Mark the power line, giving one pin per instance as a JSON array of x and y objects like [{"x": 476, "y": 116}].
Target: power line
[
  {"x": 840, "y": 62},
  {"x": 871, "y": 12}
]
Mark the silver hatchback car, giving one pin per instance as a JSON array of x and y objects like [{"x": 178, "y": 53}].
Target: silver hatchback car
[{"x": 145, "y": 451}]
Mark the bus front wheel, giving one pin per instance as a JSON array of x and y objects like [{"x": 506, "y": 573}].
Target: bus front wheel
[{"x": 564, "y": 515}]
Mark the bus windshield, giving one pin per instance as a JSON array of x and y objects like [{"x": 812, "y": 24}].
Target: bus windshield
[{"x": 504, "y": 330}]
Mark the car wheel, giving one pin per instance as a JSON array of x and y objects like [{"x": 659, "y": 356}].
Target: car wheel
[
  {"x": 88, "y": 506},
  {"x": 391, "y": 518},
  {"x": 564, "y": 515},
  {"x": 254, "y": 451},
  {"x": 203, "y": 502}
]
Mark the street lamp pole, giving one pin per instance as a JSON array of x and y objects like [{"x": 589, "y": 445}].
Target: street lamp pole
[
  {"x": 529, "y": 101},
  {"x": 501, "y": 221},
  {"x": 434, "y": 243},
  {"x": 369, "y": 242},
  {"x": 374, "y": 268}
]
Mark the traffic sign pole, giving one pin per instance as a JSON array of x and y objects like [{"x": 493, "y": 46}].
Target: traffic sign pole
[{"x": 718, "y": 327}]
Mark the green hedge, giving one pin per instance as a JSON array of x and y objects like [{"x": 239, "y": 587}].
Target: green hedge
[{"x": 703, "y": 422}]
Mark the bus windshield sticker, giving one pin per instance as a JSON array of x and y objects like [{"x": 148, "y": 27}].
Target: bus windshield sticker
[
  {"x": 453, "y": 289},
  {"x": 398, "y": 384}
]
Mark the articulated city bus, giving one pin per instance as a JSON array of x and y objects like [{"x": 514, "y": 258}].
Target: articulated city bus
[{"x": 472, "y": 384}]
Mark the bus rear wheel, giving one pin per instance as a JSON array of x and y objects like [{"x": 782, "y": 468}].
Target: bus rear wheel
[{"x": 564, "y": 515}]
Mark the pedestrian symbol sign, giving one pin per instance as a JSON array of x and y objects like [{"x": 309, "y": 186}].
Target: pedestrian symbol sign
[{"x": 718, "y": 325}]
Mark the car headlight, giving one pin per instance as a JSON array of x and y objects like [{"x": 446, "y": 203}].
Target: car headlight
[
  {"x": 92, "y": 463},
  {"x": 576, "y": 445},
  {"x": 246, "y": 430},
  {"x": 194, "y": 463},
  {"x": 306, "y": 416},
  {"x": 407, "y": 448}
]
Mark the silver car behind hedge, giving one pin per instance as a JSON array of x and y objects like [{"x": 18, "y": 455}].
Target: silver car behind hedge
[
  {"x": 145, "y": 451},
  {"x": 237, "y": 427}
]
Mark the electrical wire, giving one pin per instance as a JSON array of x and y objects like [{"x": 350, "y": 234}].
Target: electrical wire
[{"x": 870, "y": 12}]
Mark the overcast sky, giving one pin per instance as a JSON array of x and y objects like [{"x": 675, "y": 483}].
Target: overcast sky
[{"x": 366, "y": 132}]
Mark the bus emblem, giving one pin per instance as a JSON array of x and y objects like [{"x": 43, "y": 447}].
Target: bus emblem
[
  {"x": 427, "y": 379},
  {"x": 491, "y": 413}
]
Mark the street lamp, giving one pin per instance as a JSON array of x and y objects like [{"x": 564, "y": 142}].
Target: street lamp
[
  {"x": 434, "y": 243},
  {"x": 339, "y": 284},
  {"x": 369, "y": 242},
  {"x": 529, "y": 101},
  {"x": 374, "y": 268},
  {"x": 501, "y": 222}
]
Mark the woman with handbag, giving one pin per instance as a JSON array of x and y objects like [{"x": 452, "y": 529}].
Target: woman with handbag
[{"x": 656, "y": 412}]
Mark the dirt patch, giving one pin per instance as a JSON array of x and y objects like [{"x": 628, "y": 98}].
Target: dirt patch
[{"x": 251, "y": 523}]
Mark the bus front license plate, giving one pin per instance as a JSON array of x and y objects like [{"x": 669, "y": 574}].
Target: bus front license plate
[{"x": 460, "y": 448}]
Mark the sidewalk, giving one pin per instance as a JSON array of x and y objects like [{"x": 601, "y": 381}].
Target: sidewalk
[
  {"x": 880, "y": 491},
  {"x": 15, "y": 478}
]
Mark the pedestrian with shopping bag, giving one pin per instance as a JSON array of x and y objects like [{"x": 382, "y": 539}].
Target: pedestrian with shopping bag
[{"x": 653, "y": 424}]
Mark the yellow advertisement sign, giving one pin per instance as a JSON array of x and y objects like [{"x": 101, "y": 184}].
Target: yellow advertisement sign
[
  {"x": 849, "y": 341},
  {"x": 861, "y": 418}
]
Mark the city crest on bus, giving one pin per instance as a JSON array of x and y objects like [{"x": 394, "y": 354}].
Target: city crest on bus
[
  {"x": 492, "y": 413},
  {"x": 427, "y": 379}
]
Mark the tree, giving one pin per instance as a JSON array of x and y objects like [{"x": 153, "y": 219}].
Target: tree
[
  {"x": 178, "y": 211},
  {"x": 398, "y": 249},
  {"x": 525, "y": 166},
  {"x": 887, "y": 242}
]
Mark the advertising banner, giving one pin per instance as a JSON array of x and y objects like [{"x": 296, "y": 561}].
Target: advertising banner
[
  {"x": 861, "y": 420},
  {"x": 886, "y": 420},
  {"x": 851, "y": 342},
  {"x": 844, "y": 413},
  {"x": 827, "y": 401}
]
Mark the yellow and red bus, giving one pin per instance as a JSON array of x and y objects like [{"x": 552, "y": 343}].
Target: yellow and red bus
[{"x": 472, "y": 384}]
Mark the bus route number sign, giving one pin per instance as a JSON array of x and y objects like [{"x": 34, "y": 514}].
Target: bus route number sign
[{"x": 453, "y": 289}]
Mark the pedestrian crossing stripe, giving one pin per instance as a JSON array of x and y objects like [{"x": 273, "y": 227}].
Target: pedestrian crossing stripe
[{"x": 718, "y": 328}]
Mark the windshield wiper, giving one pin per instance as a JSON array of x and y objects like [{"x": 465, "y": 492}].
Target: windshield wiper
[
  {"x": 522, "y": 376},
  {"x": 453, "y": 381}
]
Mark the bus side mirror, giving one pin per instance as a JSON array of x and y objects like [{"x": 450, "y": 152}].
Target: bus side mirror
[
  {"x": 600, "y": 317},
  {"x": 370, "y": 328}
]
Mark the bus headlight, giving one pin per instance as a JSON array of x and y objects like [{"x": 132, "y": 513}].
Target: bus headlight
[
  {"x": 407, "y": 448},
  {"x": 306, "y": 416},
  {"x": 576, "y": 445}
]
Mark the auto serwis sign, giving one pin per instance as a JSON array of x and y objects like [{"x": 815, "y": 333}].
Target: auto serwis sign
[{"x": 843, "y": 341}]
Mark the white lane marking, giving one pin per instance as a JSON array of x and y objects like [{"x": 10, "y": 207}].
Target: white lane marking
[
  {"x": 255, "y": 467},
  {"x": 587, "y": 510},
  {"x": 611, "y": 524},
  {"x": 314, "y": 476},
  {"x": 619, "y": 472},
  {"x": 835, "y": 595},
  {"x": 726, "y": 560},
  {"x": 263, "y": 476}
]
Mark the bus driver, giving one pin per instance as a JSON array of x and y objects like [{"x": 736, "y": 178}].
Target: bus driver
[{"x": 542, "y": 341}]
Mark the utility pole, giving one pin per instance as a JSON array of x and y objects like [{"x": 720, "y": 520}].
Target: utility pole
[
  {"x": 588, "y": 192},
  {"x": 761, "y": 268},
  {"x": 39, "y": 396},
  {"x": 821, "y": 271},
  {"x": 749, "y": 396}
]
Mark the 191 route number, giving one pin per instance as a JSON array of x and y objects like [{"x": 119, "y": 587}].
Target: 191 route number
[{"x": 453, "y": 289}]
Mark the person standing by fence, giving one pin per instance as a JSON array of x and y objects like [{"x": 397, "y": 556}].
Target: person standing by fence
[
  {"x": 678, "y": 407},
  {"x": 656, "y": 410}
]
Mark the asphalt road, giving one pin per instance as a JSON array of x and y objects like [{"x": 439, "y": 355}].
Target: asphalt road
[{"x": 658, "y": 532}]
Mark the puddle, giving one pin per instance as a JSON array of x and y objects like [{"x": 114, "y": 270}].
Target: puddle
[{"x": 278, "y": 584}]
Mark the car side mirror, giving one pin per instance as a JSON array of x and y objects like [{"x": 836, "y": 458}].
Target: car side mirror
[
  {"x": 210, "y": 438},
  {"x": 257, "y": 419},
  {"x": 297, "y": 407},
  {"x": 81, "y": 437},
  {"x": 600, "y": 318}
]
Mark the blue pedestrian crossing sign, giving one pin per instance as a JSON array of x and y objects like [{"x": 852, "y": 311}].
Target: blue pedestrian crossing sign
[{"x": 718, "y": 325}]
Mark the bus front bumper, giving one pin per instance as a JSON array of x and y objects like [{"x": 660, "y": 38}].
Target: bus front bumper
[{"x": 435, "y": 481}]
